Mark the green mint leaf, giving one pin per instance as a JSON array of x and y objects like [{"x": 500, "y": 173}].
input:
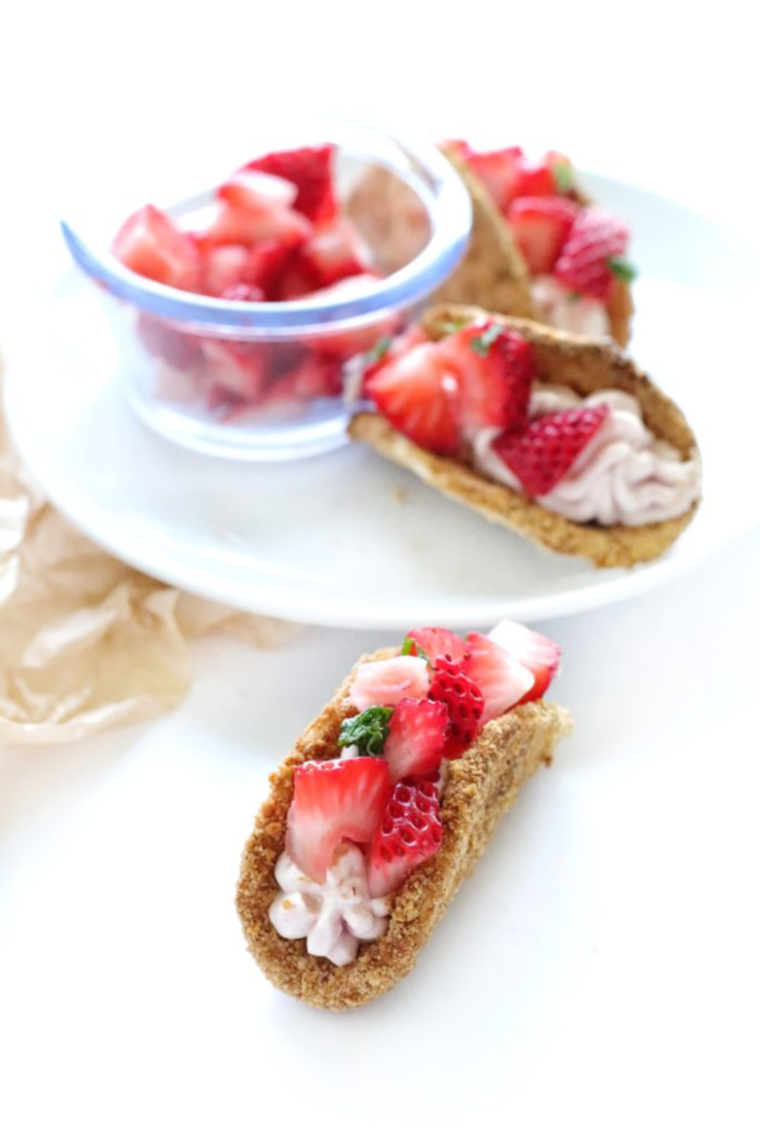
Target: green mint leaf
[
  {"x": 564, "y": 177},
  {"x": 482, "y": 343},
  {"x": 368, "y": 731},
  {"x": 379, "y": 351},
  {"x": 622, "y": 268},
  {"x": 410, "y": 648}
]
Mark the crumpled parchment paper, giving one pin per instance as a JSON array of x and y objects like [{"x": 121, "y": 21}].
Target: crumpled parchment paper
[{"x": 85, "y": 641}]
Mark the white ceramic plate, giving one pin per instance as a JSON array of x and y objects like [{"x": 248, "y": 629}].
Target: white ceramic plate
[{"x": 349, "y": 540}]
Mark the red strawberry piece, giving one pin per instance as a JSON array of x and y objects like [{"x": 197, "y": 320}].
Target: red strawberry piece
[
  {"x": 533, "y": 650},
  {"x": 536, "y": 181},
  {"x": 227, "y": 265},
  {"x": 256, "y": 207},
  {"x": 334, "y": 800},
  {"x": 150, "y": 244},
  {"x": 419, "y": 395},
  {"x": 592, "y": 256},
  {"x": 309, "y": 168},
  {"x": 541, "y": 227},
  {"x": 409, "y": 835},
  {"x": 499, "y": 171},
  {"x": 435, "y": 641},
  {"x": 453, "y": 687},
  {"x": 309, "y": 379},
  {"x": 389, "y": 682},
  {"x": 177, "y": 348},
  {"x": 335, "y": 251},
  {"x": 236, "y": 366},
  {"x": 386, "y": 348},
  {"x": 496, "y": 369},
  {"x": 501, "y": 678},
  {"x": 416, "y": 736},
  {"x": 243, "y": 292},
  {"x": 544, "y": 452}
]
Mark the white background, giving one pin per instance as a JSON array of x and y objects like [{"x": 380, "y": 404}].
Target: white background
[{"x": 598, "y": 975}]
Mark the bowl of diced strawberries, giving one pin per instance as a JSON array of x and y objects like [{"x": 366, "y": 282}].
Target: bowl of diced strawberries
[{"x": 242, "y": 313}]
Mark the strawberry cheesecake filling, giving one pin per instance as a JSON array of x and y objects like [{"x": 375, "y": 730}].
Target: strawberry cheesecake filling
[
  {"x": 624, "y": 475},
  {"x": 474, "y": 395},
  {"x": 574, "y": 252},
  {"x": 360, "y": 824}
]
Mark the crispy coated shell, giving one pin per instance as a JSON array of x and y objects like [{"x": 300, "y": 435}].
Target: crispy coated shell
[
  {"x": 481, "y": 786},
  {"x": 586, "y": 366}
]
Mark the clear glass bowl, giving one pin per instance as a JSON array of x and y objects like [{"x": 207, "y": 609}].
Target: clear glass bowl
[{"x": 193, "y": 365}]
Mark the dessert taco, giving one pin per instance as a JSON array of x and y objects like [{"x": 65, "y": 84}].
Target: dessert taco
[
  {"x": 386, "y": 803},
  {"x": 559, "y": 437}
]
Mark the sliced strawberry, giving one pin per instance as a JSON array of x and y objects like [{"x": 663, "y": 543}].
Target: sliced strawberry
[
  {"x": 501, "y": 678},
  {"x": 334, "y": 800},
  {"x": 540, "y": 227},
  {"x": 309, "y": 168},
  {"x": 551, "y": 176},
  {"x": 389, "y": 682},
  {"x": 176, "y": 347},
  {"x": 386, "y": 348},
  {"x": 409, "y": 835},
  {"x": 592, "y": 256},
  {"x": 416, "y": 736},
  {"x": 236, "y": 366},
  {"x": 544, "y": 452},
  {"x": 498, "y": 170},
  {"x": 496, "y": 369},
  {"x": 419, "y": 395},
  {"x": 464, "y": 700},
  {"x": 335, "y": 251},
  {"x": 150, "y": 244},
  {"x": 533, "y": 650},
  {"x": 435, "y": 641}
]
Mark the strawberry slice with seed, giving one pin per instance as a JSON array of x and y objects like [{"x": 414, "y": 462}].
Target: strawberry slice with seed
[
  {"x": 542, "y": 454},
  {"x": 496, "y": 369},
  {"x": 334, "y": 800},
  {"x": 419, "y": 395},
  {"x": 410, "y": 834},
  {"x": 435, "y": 641},
  {"x": 593, "y": 254},
  {"x": 541, "y": 227},
  {"x": 455, "y": 688},
  {"x": 499, "y": 170},
  {"x": 533, "y": 650},
  {"x": 416, "y": 736},
  {"x": 501, "y": 678}
]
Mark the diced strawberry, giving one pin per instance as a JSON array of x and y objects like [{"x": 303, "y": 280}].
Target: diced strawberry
[
  {"x": 312, "y": 378},
  {"x": 236, "y": 366},
  {"x": 592, "y": 256},
  {"x": 416, "y": 736},
  {"x": 498, "y": 170},
  {"x": 435, "y": 641},
  {"x": 464, "y": 701},
  {"x": 176, "y": 347},
  {"x": 150, "y": 244},
  {"x": 389, "y": 682},
  {"x": 256, "y": 207},
  {"x": 228, "y": 265},
  {"x": 242, "y": 292},
  {"x": 309, "y": 168},
  {"x": 536, "y": 181},
  {"x": 496, "y": 368},
  {"x": 386, "y": 348},
  {"x": 501, "y": 678},
  {"x": 533, "y": 650},
  {"x": 409, "y": 835},
  {"x": 541, "y": 227},
  {"x": 544, "y": 452},
  {"x": 334, "y": 800},
  {"x": 335, "y": 251},
  {"x": 419, "y": 394}
]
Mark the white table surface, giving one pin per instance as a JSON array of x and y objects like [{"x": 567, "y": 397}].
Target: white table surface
[{"x": 598, "y": 974}]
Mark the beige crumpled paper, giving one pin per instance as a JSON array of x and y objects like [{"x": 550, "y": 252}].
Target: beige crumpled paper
[{"x": 86, "y": 642}]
